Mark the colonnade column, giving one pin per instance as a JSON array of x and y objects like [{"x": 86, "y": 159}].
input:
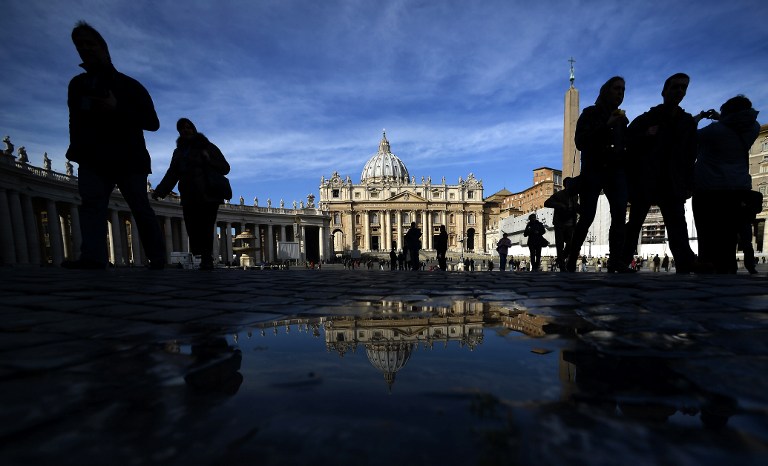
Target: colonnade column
[
  {"x": 114, "y": 237},
  {"x": 30, "y": 228},
  {"x": 427, "y": 230},
  {"x": 135, "y": 243},
  {"x": 77, "y": 237},
  {"x": 168, "y": 237},
  {"x": 228, "y": 241},
  {"x": 7, "y": 244},
  {"x": 185, "y": 237},
  {"x": 367, "y": 229},
  {"x": 22, "y": 254},
  {"x": 54, "y": 232},
  {"x": 270, "y": 244},
  {"x": 321, "y": 239}
]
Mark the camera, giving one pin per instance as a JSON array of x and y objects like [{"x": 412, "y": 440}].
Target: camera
[{"x": 711, "y": 114}]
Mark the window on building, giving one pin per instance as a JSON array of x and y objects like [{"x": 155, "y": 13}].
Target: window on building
[
  {"x": 470, "y": 194},
  {"x": 357, "y": 195},
  {"x": 374, "y": 195},
  {"x": 451, "y": 219},
  {"x": 764, "y": 145},
  {"x": 337, "y": 219},
  {"x": 335, "y": 193},
  {"x": 435, "y": 217},
  {"x": 452, "y": 196},
  {"x": 374, "y": 218},
  {"x": 357, "y": 219},
  {"x": 406, "y": 218},
  {"x": 471, "y": 219},
  {"x": 436, "y": 194}
]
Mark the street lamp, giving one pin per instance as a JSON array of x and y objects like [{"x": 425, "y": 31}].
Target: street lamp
[{"x": 590, "y": 239}]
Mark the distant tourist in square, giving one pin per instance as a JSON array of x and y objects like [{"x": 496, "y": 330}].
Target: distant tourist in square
[
  {"x": 413, "y": 244},
  {"x": 565, "y": 204},
  {"x": 108, "y": 114},
  {"x": 502, "y": 247},
  {"x": 662, "y": 152},
  {"x": 723, "y": 196},
  {"x": 656, "y": 263},
  {"x": 665, "y": 263},
  {"x": 600, "y": 136},
  {"x": 192, "y": 159},
  {"x": 534, "y": 231},
  {"x": 393, "y": 259},
  {"x": 441, "y": 247}
]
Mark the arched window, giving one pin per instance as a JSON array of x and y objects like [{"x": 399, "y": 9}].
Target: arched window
[
  {"x": 374, "y": 218},
  {"x": 337, "y": 218},
  {"x": 451, "y": 219}
]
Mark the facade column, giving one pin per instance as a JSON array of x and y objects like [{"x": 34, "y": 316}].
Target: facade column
[
  {"x": 135, "y": 244},
  {"x": 7, "y": 243},
  {"x": 22, "y": 253},
  {"x": 168, "y": 230},
  {"x": 33, "y": 235},
  {"x": 367, "y": 230},
  {"x": 399, "y": 229},
  {"x": 385, "y": 231},
  {"x": 303, "y": 242},
  {"x": 428, "y": 230},
  {"x": 270, "y": 244},
  {"x": 282, "y": 233},
  {"x": 54, "y": 233},
  {"x": 481, "y": 238}
]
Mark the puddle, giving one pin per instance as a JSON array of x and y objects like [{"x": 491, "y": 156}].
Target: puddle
[{"x": 470, "y": 382}]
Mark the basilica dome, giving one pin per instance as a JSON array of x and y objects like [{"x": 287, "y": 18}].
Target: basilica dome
[{"x": 384, "y": 166}]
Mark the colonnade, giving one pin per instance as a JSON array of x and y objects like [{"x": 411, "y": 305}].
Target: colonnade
[{"x": 40, "y": 223}]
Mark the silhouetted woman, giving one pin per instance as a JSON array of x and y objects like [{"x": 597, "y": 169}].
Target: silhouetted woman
[{"x": 194, "y": 156}]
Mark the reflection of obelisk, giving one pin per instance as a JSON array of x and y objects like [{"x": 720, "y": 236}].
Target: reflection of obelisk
[{"x": 571, "y": 156}]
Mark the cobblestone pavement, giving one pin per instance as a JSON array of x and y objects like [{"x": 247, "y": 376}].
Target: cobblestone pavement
[{"x": 85, "y": 377}]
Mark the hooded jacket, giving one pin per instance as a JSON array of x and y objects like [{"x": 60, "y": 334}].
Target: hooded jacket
[
  {"x": 601, "y": 146},
  {"x": 188, "y": 168},
  {"x": 109, "y": 141},
  {"x": 723, "y": 152}
]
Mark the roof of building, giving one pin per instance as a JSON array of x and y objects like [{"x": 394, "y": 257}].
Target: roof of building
[{"x": 384, "y": 165}]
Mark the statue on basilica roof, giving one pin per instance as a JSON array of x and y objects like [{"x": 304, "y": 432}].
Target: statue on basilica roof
[
  {"x": 46, "y": 161},
  {"x": 23, "y": 155},
  {"x": 8, "y": 146}
]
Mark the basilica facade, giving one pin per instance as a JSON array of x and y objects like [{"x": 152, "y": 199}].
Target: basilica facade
[{"x": 374, "y": 214}]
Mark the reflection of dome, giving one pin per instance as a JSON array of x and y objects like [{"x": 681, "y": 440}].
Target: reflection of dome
[
  {"x": 384, "y": 165},
  {"x": 389, "y": 357}
]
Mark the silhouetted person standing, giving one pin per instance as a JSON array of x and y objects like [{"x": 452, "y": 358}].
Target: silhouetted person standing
[
  {"x": 534, "y": 231},
  {"x": 723, "y": 182},
  {"x": 565, "y": 204},
  {"x": 441, "y": 246},
  {"x": 502, "y": 247},
  {"x": 108, "y": 114},
  {"x": 193, "y": 158},
  {"x": 600, "y": 136},
  {"x": 413, "y": 243},
  {"x": 393, "y": 259},
  {"x": 662, "y": 152}
]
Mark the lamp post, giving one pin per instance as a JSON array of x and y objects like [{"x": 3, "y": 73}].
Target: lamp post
[{"x": 590, "y": 239}]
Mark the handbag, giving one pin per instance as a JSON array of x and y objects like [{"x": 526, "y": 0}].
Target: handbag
[{"x": 217, "y": 185}]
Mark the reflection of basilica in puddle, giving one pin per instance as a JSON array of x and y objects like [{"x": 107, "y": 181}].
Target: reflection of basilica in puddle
[{"x": 393, "y": 331}]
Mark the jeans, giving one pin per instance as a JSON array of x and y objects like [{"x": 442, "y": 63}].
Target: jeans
[
  {"x": 612, "y": 181},
  {"x": 95, "y": 189},
  {"x": 673, "y": 212}
]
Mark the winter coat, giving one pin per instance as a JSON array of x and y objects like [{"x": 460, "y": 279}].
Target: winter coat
[
  {"x": 723, "y": 158},
  {"x": 188, "y": 168},
  {"x": 601, "y": 146},
  {"x": 109, "y": 141},
  {"x": 660, "y": 165}
]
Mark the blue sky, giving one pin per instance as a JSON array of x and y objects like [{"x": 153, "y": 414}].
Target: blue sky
[{"x": 292, "y": 90}]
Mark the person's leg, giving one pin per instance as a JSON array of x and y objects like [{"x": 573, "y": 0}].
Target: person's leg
[
  {"x": 617, "y": 194},
  {"x": 588, "y": 196},
  {"x": 745, "y": 244},
  {"x": 94, "y": 190},
  {"x": 673, "y": 213},
  {"x": 133, "y": 187}
]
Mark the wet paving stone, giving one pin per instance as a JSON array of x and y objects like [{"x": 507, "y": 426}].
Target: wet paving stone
[{"x": 336, "y": 367}]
